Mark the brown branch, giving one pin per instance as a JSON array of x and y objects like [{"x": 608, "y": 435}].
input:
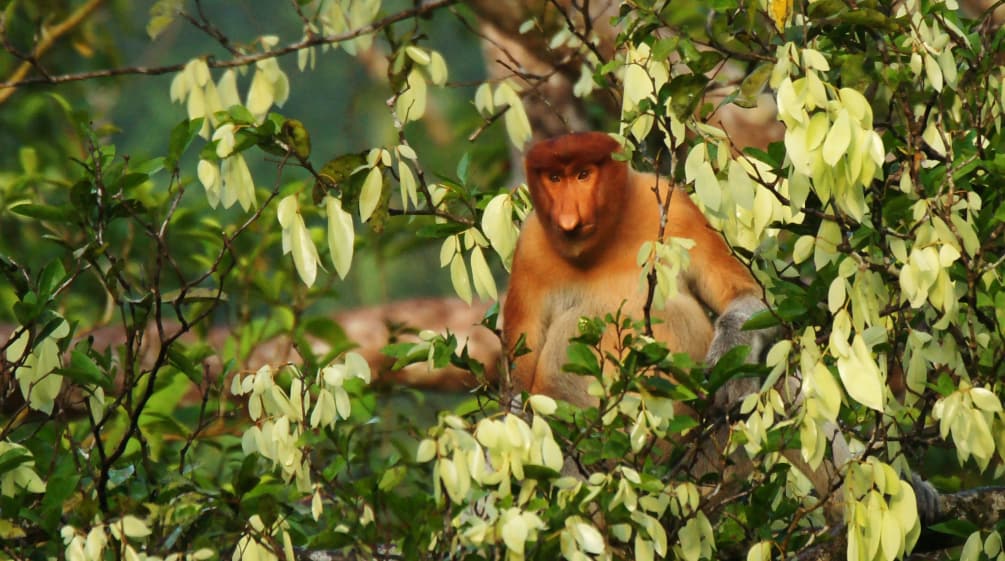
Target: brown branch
[
  {"x": 310, "y": 41},
  {"x": 49, "y": 38}
]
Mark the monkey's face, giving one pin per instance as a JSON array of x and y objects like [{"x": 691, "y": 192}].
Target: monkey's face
[
  {"x": 568, "y": 199},
  {"x": 577, "y": 205},
  {"x": 578, "y": 191}
]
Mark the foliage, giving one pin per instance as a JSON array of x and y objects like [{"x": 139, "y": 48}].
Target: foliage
[{"x": 875, "y": 226}]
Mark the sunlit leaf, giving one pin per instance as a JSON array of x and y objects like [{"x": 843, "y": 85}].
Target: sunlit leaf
[
  {"x": 459, "y": 278},
  {"x": 341, "y": 235}
]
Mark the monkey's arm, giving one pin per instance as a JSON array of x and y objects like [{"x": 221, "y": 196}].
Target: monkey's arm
[
  {"x": 521, "y": 313},
  {"x": 720, "y": 281}
]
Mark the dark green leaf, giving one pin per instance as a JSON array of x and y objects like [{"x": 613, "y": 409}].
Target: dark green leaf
[
  {"x": 50, "y": 279},
  {"x": 182, "y": 136},
  {"x": 44, "y": 212},
  {"x": 581, "y": 360},
  {"x": 462, "y": 168},
  {"x": 13, "y": 458},
  {"x": 959, "y": 528},
  {"x": 761, "y": 320},
  {"x": 84, "y": 371},
  {"x": 176, "y": 357},
  {"x": 441, "y": 230},
  {"x": 130, "y": 180}
]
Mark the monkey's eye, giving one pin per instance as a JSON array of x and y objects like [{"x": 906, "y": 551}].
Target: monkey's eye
[
  {"x": 583, "y": 174},
  {"x": 554, "y": 178}
]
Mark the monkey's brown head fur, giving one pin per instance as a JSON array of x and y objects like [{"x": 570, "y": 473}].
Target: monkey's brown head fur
[{"x": 578, "y": 191}]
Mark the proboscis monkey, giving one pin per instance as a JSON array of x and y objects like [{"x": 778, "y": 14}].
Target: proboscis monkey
[{"x": 576, "y": 257}]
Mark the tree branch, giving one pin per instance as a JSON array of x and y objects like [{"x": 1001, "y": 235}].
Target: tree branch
[
  {"x": 311, "y": 41},
  {"x": 48, "y": 39}
]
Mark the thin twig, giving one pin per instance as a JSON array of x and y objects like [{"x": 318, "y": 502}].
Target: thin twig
[
  {"x": 236, "y": 61},
  {"x": 49, "y": 38}
]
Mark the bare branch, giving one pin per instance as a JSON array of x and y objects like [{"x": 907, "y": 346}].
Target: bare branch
[
  {"x": 421, "y": 10},
  {"x": 48, "y": 39}
]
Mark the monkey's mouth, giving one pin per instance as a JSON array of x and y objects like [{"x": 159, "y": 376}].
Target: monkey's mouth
[{"x": 578, "y": 233}]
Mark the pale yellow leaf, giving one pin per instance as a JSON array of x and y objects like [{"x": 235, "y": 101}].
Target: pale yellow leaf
[
  {"x": 485, "y": 285},
  {"x": 409, "y": 187},
  {"x": 369, "y": 195},
  {"x": 419, "y": 55},
  {"x": 707, "y": 188},
  {"x": 497, "y": 223},
  {"x": 542, "y": 404},
  {"x": 861, "y": 376},
  {"x": 972, "y": 548},
  {"x": 448, "y": 249},
  {"x": 483, "y": 99},
  {"x": 459, "y": 278},
  {"x": 760, "y": 551},
  {"x": 803, "y": 248},
  {"x": 933, "y": 138},
  {"x": 437, "y": 69},
  {"x": 411, "y": 104},
  {"x": 838, "y": 139},
  {"x": 741, "y": 186},
  {"x": 638, "y": 85},
  {"x": 227, "y": 89},
  {"x": 260, "y": 94},
  {"x": 517, "y": 124},
  {"x": 305, "y": 256},
  {"x": 341, "y": 235},
  {"x": 134, "y": 527},
  {"x": 933, "y": 72},
  {"x": 892, "y": 540}
]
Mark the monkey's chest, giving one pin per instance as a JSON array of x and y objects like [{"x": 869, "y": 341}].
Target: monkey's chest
[{"x": 681, "y": 323}]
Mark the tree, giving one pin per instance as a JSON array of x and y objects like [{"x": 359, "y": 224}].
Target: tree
[{"x": 874, "y": 223}]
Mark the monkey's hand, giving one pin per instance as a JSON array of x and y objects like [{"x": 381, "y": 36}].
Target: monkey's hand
[
  {"x": 927, "y": 497},
  {"x": 729, "y": 333}
]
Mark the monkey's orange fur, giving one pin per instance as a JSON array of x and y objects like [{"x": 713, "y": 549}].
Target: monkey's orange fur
[{"x": 576, "y": 257}]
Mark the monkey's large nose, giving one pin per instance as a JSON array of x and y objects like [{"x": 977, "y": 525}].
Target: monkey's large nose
[{"x": 568, "y": 223}]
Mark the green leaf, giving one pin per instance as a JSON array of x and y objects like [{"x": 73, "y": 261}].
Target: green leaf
[
  {"x": 44, "y": 212},
  {"x": 240, "y": 114},
  {"x": 761, "y": 320},
  {"x": 731, "y": 364},
  {"x": 181, "y": 137},
  {"x": 681, "y": 423},
  {"x": 462, "y": 167},
  {"x": 149, "y": 167},
  {"x": 753, "y": 85},
  {"x": 176, "y": 357},
  {"x": 686, "y": 92},
  {"x": 540, "y": 473},
  {"x": 29, "y": 159},
  {"x": 581, "y": 360},
  {"x": 662, "y": 48},
  {"x": 441, "y": 230},
  {"x": 84, "y": 371},
  {"x": 162, "y": 14},
  {"x": 13, "y": 458},
  {"x": 60, "y": 486},
  {"x": 958, "y": 528},
  {"x": 130, "y": 180},
  {"x": 392, "y": 478},
  {"x": 50, "y": 279}
]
